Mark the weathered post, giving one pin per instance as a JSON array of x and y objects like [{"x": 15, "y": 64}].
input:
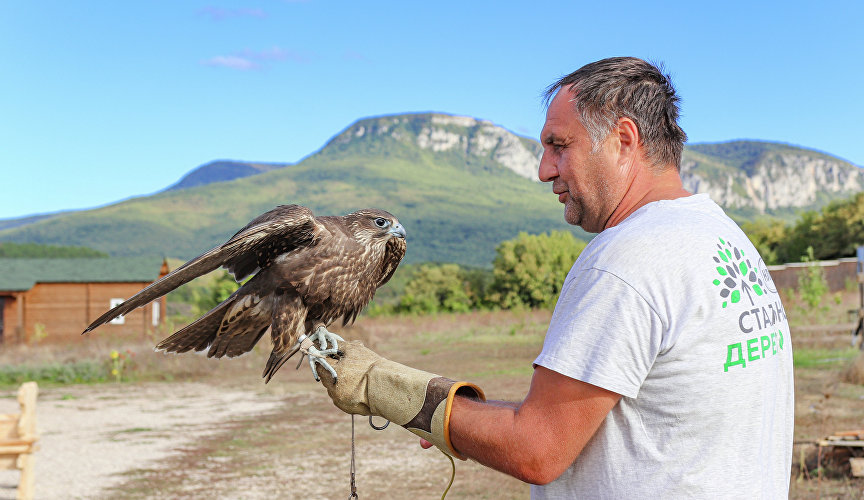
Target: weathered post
[
  {"x": 858, "y": 333},
  {"x": 17, "y": 438}
]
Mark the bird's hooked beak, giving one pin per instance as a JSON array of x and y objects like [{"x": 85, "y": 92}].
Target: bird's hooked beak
[{"x": 397, "y": 230}]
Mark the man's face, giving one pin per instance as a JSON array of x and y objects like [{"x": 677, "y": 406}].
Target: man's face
[{"x": 590, "y": 185}]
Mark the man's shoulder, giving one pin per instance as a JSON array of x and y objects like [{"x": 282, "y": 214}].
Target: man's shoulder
[{"x": 658, "y": 235}]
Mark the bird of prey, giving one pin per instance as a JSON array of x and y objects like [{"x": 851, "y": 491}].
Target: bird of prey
[{"x": 307, "y": 272}]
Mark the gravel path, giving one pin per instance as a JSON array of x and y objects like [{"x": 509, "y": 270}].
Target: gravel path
[{"x": 89, "y": 435}]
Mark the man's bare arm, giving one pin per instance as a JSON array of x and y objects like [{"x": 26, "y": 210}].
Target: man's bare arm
[{"x": 537, "y": 440}]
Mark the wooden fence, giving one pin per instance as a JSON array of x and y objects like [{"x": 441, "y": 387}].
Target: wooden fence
[{"x": 838, "y": 273}]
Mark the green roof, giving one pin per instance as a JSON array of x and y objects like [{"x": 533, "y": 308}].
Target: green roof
[{"x": 22, "y": 274}]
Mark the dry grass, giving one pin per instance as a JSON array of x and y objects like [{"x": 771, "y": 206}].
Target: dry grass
[
  {"x": 855, "y": 373},
  {"x": 143, "y": 363},
  {"x": 824, "y": 404},
  {"x": 291, "y": 453},
  {"x": 829, "y": 397},
  {"x": 303, "y": 451}
]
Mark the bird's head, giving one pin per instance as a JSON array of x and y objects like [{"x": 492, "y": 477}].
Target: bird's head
[{"x": 371, "y": 224}]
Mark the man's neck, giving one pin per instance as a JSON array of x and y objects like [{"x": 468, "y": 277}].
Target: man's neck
[{"x": 645, "y": 188}]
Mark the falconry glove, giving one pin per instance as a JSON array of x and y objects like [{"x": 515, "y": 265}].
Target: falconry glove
[{"x": 418, "y": 401}]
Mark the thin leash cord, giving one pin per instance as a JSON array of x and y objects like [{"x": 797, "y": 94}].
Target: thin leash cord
[
  {"x": 452, "y": 474},
  {"x": 353, "y": 494}
]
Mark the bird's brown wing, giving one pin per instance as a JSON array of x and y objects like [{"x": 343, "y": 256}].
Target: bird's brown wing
[
  {"x": 273, "y": 233},
  {"x": 286, "y": 226}
]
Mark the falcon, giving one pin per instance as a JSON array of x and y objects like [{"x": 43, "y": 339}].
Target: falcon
[{"x": 306, "y": 272}]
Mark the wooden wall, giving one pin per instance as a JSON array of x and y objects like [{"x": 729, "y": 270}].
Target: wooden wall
[
  {"x": 10, "y": 317},
  {"x": 60, "y": 311}
]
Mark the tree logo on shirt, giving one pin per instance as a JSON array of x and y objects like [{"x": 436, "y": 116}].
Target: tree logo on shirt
[{"x": 737, "y": 276}]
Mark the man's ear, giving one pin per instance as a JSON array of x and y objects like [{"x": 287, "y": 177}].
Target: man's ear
[{"x": 628, "y": 140}]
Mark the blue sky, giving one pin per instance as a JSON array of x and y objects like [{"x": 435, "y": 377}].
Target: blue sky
[{"x": 103, "y": 100}]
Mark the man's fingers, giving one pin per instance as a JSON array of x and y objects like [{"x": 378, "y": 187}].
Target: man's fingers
[{"x": 425, "y": 444}]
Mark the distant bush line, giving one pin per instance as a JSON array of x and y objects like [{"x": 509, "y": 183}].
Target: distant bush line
[
  {"x": 81, "y": 372},
  {"x": 10, "y": 250}
]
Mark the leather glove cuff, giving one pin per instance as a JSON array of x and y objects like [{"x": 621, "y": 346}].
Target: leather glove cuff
[
  {"x": 426, "y": 409},
  {"x": 419, "y": 401}
]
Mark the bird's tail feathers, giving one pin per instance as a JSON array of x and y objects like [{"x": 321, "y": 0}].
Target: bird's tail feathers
[
  {"x": 276, "y": 361},
  {"x": 200, "y": 333}
]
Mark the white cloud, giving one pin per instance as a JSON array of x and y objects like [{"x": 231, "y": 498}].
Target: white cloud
[
  {"x": 247, "y": 59},
  {"x": 232, "y": 62},
  {"x": 274, "y": 53}
]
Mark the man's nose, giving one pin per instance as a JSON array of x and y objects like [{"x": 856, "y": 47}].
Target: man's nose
[{"x": 548, "y": 170}]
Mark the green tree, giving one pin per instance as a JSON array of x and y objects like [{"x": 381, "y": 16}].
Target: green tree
[
  {"x": 840, "y": 228},
  {"x": 802, "y": 235},
  {"x": 833, "y": 232},
  {"x": 437, "y": 288},
  {"x": 221, "y": 288},
  {"x": 529, "y": 270},
  {"x": 767, "y": 234}
]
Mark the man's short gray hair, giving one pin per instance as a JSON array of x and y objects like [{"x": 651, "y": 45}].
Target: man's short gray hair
[{"x": 610, "y": 89}]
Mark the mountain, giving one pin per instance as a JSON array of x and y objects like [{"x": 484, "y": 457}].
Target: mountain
[
  {"x": 476, "y": 145},
  {"x": 750, "y": 178},
  {"x": 459, "y": 185},
  {"x": 27, "y": 219},
  {"x": 221, "y": 171}
]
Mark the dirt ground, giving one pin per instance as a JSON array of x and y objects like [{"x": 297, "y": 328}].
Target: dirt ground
[
  {"x": 224, "y": 434},
  {"x": 90, "y": 435}
]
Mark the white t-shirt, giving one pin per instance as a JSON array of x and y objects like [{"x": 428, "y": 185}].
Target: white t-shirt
[{"x": 674, "y": 309}]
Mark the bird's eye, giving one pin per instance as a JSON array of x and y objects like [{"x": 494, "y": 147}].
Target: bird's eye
[{"x": 381, "y": 222}]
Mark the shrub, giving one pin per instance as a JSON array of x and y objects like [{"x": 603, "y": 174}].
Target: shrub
[
  {"x": 812, "y": 285},
  {"x": 437, "y": 288},
  {"x": 529, "y": 270},
  {"x": 207, "y": 298}
]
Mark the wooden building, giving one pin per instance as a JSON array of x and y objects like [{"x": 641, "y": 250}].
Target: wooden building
[{"x": 53, "y": 300}]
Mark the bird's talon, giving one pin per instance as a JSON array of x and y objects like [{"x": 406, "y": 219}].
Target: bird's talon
[
  {"x": 317, "y": 357},
  {"x": 325, "y": 338}
]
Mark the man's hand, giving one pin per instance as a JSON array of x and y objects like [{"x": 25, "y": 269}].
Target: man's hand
[{"x": 368, "y": 384}]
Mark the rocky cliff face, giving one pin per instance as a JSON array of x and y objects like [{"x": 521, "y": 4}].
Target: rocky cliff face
[
  {"x": 756, "y": 176},
  {"x": 476, "y": 140},
  {"x": 774, "y": 177}
]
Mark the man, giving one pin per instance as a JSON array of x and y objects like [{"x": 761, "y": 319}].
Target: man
[{"x": 667, "y": 366}]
